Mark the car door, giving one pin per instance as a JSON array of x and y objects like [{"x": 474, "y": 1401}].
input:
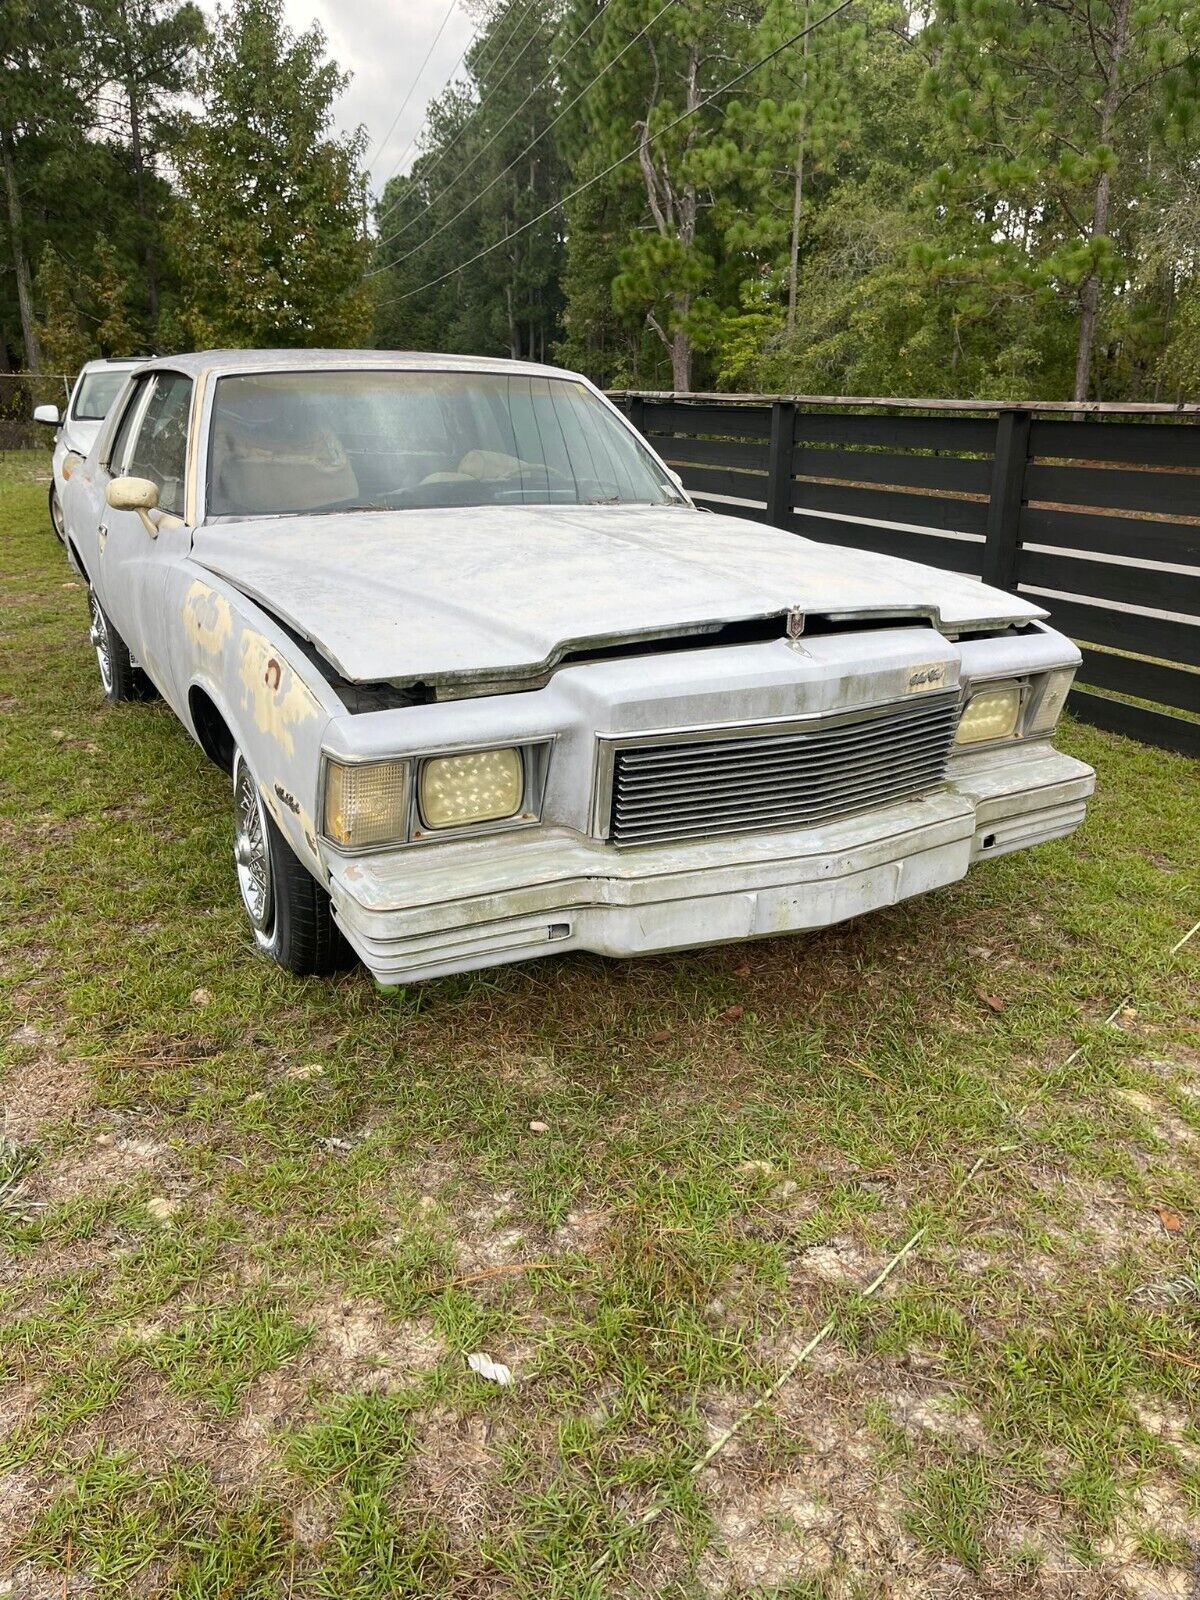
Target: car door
[{"x": 151, "y": 442}]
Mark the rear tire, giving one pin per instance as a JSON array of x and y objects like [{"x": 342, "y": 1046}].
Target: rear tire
[
  {"x": 289, "y": 912},
  {"x": 56, "y": 515},
  {"x": 119, "y": 678}
]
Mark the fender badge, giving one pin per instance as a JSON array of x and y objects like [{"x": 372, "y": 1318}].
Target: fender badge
[{"x": 932, "y": 676}]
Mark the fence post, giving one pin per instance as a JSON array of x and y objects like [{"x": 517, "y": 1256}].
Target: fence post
[
  {"x": 1001, "y": 553},
  {"x": 779, "y": 463}
]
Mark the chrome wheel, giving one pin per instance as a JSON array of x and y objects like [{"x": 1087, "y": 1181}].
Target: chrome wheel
[
  {"x": 56, "y": 515},
  {"x": 252, "y": 852},
  {"x": 101, "y": 642}
]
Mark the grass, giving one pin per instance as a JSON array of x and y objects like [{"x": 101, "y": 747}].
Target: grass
[{"x": 252, "y": 1227}]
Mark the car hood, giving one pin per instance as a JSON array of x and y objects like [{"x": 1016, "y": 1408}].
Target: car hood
[
  {"x": 488, "y": 593},
  {"x": 80, "y": 436}
]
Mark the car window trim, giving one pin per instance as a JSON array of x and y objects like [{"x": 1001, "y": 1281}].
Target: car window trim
[
  {"x": 142, "y": 389},
  {"x": 155, "y": 376}
]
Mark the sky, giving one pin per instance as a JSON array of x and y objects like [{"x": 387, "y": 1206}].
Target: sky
[{"x": 382, "y": 45}]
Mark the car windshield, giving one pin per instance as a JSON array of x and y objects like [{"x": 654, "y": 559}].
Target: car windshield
[
  {"x": 96, "y": 392},
  {"x": 285, "y": 443}
]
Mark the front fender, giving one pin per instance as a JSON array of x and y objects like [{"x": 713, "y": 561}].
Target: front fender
[{"x": 273, "y": 701}]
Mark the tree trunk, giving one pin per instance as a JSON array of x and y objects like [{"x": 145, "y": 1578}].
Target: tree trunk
[
  {"x": 681, "y": 363},
  {"x": 1090, "y": 297},
  {"x": 139, "y": 174},
  {"x": 798, "y": 193},
  {"x": 16, "y": 229}
]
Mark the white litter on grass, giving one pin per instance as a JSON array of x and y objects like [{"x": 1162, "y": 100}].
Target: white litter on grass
[{"x": 493, "y": 1371}]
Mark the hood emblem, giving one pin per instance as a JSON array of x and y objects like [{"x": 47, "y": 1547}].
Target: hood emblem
[{"x": 795, "y": 623}]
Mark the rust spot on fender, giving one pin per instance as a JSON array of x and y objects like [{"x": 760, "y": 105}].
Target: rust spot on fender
[
  {"x": 207, "y": 617},
  {"x": 272, "y": 693}
]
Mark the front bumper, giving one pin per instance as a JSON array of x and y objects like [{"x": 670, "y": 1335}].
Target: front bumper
[{"x": 426, "y": 911}]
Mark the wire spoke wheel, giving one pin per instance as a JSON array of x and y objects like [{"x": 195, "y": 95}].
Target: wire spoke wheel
[
  {"x": 101, "y": 641},
  {"x": 252, "y": 854}
]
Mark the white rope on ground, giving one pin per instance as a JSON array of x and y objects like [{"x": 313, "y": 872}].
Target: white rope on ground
[{"x": 876, "y": 1283}]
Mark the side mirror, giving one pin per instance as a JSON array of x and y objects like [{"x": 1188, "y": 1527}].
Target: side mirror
[
  {"x": 135, "y": 494},
  {"x": 46, "y": 414},
  {"x": 676, "y": 479}
]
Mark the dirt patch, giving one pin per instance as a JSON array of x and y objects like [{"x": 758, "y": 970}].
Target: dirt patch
[
  {"x": 358, "y": 1346},
  {"x": 452, "y": 1475},
  {"x": 824, "y": 1513},
  {"x": 108, "y": 1162},
  {"x": 43, "y": 1087}
]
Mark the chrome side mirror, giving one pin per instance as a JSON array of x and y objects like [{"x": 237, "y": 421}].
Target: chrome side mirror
[
  {"x": 135, "y": 494},
  {"x": 47, "y": 414}
]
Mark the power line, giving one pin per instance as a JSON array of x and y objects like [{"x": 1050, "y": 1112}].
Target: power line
[
  {"x": 500, "y": 49},
  {"x": 621, "y": 160},
  {"x": 512, "y": 35},
  {"x": 438, "y": 198},
  {"x": 450, "y": 9}
]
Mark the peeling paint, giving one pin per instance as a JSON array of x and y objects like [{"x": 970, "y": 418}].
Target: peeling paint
[
  {"x": 207, "y": 617},
  {"x": 272, "y": 693}
]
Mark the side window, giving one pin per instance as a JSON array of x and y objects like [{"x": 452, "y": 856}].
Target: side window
[
  {"x": 120, "y": 445},
  {"x": 160, "y": 449}
]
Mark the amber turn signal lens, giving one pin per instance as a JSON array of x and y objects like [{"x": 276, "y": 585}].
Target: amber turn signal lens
[{"x": 366, "y": 803}]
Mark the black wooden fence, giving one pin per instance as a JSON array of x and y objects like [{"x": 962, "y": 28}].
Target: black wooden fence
[{"x": 1096, "y": 519}]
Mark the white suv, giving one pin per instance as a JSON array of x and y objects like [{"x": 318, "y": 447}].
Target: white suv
[{"x": 97, "y": 386}]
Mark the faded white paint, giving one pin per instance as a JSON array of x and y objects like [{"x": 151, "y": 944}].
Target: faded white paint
[{"x": 476, "y": 600}]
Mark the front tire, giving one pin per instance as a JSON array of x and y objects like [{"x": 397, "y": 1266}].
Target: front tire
[
  {"x": 289, "y": 913},
  {"x": 119, "y": 678},
  {"x": 56, "y": 514}
]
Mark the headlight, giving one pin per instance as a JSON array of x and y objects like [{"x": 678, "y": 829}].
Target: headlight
[
  {"x": 990, "y": 714},
  {"x": 478, "y": 786},
  {"x": 366, "y": 802},
  {"x": 1055, "y": 687}
]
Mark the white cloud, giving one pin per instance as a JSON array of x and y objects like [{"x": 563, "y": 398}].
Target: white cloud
[{"x": 382, "y": 46}]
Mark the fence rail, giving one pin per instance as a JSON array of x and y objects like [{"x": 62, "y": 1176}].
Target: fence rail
[{"x": 1097, "y": 519}]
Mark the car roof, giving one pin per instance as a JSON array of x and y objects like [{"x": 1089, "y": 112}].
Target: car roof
[
  {"x": 112, "y": 363},
  {"x": 229, "y": 361}
]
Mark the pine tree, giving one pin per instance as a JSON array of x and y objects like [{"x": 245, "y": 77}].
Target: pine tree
[{"x": 270, "y": 200}]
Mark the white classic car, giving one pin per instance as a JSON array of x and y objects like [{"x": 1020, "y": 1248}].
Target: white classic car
[
  {"x": 489, "y": 686},
  {"x": 97, "y": 386}
]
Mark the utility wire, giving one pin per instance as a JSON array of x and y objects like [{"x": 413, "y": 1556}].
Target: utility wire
[
  {"x": 494, "y": 89},
  {"x": 621, "y": 160},
  {"x": 557, "y": 66},
  {"x": 379, "y": 148},
  {"x": 500, "y": 49},
  {"x": 441, "y": 228}
]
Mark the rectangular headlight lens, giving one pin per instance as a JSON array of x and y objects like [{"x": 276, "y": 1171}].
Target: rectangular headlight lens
[
  {"x": 478, "y": 786},
  {"x": 1055, "y": 688},
  {"x": 366, "y": 802},
  {"x": 990, "y": 714}
]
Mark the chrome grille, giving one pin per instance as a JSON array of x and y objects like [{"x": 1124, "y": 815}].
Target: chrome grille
[{"x": 746, "y": 779}]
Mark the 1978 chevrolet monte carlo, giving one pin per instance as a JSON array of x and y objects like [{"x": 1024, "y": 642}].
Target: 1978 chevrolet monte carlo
[{"x": 488, "y": 685}]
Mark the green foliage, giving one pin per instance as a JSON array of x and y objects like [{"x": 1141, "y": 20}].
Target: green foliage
[
  {"x": 486, "y": 171},
  {"x": 270, "y": 203}
]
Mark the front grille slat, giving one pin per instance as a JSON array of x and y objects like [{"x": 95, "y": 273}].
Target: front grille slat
[
  {"x": 751, "y": 779},
  {"x": 798, "y": 765},
  {"x": 845, "y": 737},
  {"x": 777, "y": 793}
]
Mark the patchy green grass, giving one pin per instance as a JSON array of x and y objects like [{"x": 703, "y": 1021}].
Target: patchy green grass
[{"x": 253, "y": 1227}]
